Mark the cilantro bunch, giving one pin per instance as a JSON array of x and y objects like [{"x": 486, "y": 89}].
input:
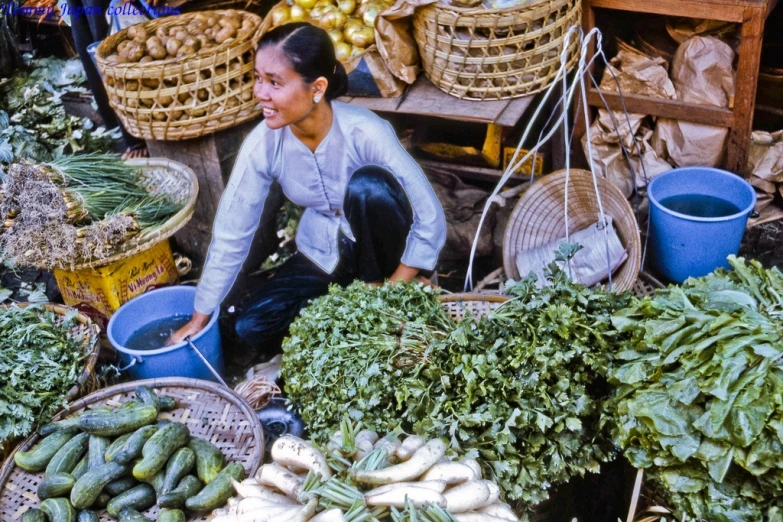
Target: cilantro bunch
[{"x": 699, "y": 401}]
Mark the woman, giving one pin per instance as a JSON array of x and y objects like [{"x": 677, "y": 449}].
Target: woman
[{"x": 370, "y": 212}]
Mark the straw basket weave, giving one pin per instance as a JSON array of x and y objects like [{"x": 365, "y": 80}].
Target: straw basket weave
[
  {"x": 82, "y": 328},
  {"x": 539, "y": 218},
  {"x": 211, "y": 412},
  {"x": 479, "y": 304},
  {"x": 185, "y": 97},
  {"x": 490, "y": 54},
  {"x": 160, "y": 176}
]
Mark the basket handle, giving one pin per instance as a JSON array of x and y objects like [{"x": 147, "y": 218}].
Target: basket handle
[{"x": 131, "y": 364}]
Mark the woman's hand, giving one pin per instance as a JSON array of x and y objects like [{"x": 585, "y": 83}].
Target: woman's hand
[{"x": 197, "y": 323}]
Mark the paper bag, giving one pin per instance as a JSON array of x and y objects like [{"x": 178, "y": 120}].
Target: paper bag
[
  {"x": 394, "y": 37},
  {"x": 702, "y": 73},
  {"x": 765, "y": 172}
]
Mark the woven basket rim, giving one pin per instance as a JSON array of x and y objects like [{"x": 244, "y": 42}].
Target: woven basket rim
[
  {"x": 480, "y": 11},
  {"x": 162, "y": 232},
  {"x": 489, "y": 297},
  {"x": 175, "y": 20},
  {"x": 168, "y": 382},
  {"x": 630, "y": 268}
]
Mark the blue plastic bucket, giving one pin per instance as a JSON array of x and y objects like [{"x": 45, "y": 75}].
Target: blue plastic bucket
[
  {"x": 684, "y": 245},
  {"x": 171, "y": 361}
]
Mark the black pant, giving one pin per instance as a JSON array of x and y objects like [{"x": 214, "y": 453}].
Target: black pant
[
  {"x": 87, "y": 27},
  {"x": 380, "y": 216}
]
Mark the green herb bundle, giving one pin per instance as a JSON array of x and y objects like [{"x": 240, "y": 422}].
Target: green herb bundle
[
  {"x": 359, "y": 351},
  {"x": 40, "y": 360},
  {"x": 700, "y": 393}
]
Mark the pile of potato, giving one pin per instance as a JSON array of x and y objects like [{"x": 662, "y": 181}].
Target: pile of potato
[
  {"x": 350, "y": 23},
  {"x": 195, "y": 33}
]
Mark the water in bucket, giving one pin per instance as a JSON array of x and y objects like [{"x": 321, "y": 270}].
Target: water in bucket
[
  {"x": 700, "y": 205},
  {"x": 153, "y": 335}
]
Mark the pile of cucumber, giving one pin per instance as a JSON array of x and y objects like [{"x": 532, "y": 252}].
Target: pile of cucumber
[{"x": 126, "y": 461}]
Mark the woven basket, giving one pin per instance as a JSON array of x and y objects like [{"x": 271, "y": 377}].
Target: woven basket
[
  {"x": 190, "y": 96},
  {"x": 83, "y": 328},
  {"x": 539, "y": 218},
  {"x": 479, "y": 304},
  {"x": 210, "y": 411},
  {"x": 160, "y": 176},
  {"x": 491, "y": 54}
]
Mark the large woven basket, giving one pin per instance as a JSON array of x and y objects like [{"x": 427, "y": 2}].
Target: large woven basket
[
  {"x": 82, "y": 328},
  {"x": 160, "y": 176},
  {"x": 489, "y": 54},
  {"x": 539, "y": 218},
  {"x": 189, "y": 96},
  {"x": 210, "y": 411}
]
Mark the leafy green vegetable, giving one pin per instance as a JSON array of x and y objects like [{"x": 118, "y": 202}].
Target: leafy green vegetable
[
  {"x": 287, "y": 220},
  {"x": 33, "y": 122},
  {"x": 40, "y": 360},
  {"x": 700, "y": 393},
  {"x": 521, "y": 390}
]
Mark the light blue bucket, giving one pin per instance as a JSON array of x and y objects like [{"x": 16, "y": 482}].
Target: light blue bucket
[
  {"x": 171, "y": 361},
  {"x": 682, "y": 245}
]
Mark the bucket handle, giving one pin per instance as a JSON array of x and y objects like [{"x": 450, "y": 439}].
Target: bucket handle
[
  {"x": 206, "y": 362},
  {"x": 131, "y": 364}
]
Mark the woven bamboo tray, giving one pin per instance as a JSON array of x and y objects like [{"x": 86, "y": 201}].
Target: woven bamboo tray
[
  {"x": 479, "y": 304},
  {"x": 189, "y": 96},
  {"x": 82, "y": 328},
  {"x": 494, "y": 54},
  {"x": 210, "y": 411},
  {"x": 539, "y": 218},
  {"x": 160, "y": 176}
]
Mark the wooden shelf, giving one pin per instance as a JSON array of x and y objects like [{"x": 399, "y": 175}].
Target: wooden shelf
[{"x": 424, "y": 99}]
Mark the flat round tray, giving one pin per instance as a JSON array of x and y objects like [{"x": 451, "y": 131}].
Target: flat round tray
[{"x": 211, "y": 412}]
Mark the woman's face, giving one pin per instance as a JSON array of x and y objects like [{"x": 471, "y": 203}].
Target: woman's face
[{"x": 281, "y": 91}]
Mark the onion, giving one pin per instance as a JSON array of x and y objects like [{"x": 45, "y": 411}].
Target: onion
[
  {"x": 336, "y": 35},
  {"x": 356, "y": 51},
  {"x": 331, "y": 18},
  {"x": 298, "y": 13},
  {"x": 342, "y": 51},
  {"x": 351, "y": 26},
  {"x": 280, "y": 15},
  {"x": 370, "y": 14},
  {"x": 364, "y": 37},
  {"x": 305, "y": 4},
  {"x": 346, "y": 6}
]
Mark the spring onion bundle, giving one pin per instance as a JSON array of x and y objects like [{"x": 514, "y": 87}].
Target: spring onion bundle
[{"x": 75, "y": 209}]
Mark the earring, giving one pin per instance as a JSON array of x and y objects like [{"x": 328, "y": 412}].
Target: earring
[{"x": 316, "y": 99}]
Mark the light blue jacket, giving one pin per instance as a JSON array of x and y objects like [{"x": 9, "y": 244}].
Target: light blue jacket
[{"x": 316, "y": 181}]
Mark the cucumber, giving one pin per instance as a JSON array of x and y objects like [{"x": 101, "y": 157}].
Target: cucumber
[
  {"x": 67, "y": 424},
  {"x": 116, "y": 446},
  {"x": 88, "y": 488},
  {"x": 122, "y": 485},
  {"x": 179, "y": 465},
  {"x": 34, "y": 515},
  {"x": 38, "y": 458},
  {"x": 129, "y": 404},
  {"x": 209, "y": 459},
  {"x": 56, "y": 485},
  {"x": 216, "y": 493},
  {"x": 58, "y": 510},
  {"x": 167, "y": 403},
  {"x": 156, "y": 481},
  {"x": 159, "y": 448},
  {"x": 117, "y": 422},
  {"x": 86, "y": 515},
  {"x": 140, "y": 498},
  {"x": 171, "y": 515},
  {"x": 80, "y": 469},
  {"x": 134, "y": 444},
  {"x": 147, "y": 396},
  {"x": 68, "y": 455},
  {"x": 131, "y": 515},
  {"x": 187, "y": 487},
  {"x": 101, "y": 502},
  {"x": 96, "y": 451}
]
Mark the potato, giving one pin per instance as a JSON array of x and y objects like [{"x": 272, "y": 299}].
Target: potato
[
  {"x": 204, "y": 41},
  {"x": 220, "y": 71},
  {"x": 157, "y": 53},
  {"x": 172, "y": 46},
  {"x": 181, "y": 35},
  {"x": 233, "y": 102},
  {"x": 146, "y": 102},
  {"x": 135, "y": 53},
  {"x": 192, "y": 42},
  {"x": 151, "y": 83},
  {"x": 175, "y": 115},
  {"x": 132, "y": 85},
  {"x": 160, "y": 32},
  {"x": 224, "y": 34},
  {"x": 123, "y": 45},
  {"x": 202, "y": 94},
  {"x": 233, "y": 85},
  {"x": 137, "y": 32},
  {"x": 246, "y": 95},
  {"x": 195, "y": 113},
  {"x": 218, "y": 89},
  {"x": 210, "y": 33},
  {"x": 184, "y": 98},
  {"x": 211, "y": 21},
  {"x": 189, "y": 77},
  {"x": 159, "y": 116},
  {"x": 247, "y": 25},
  {"x": 113, "y": 59},
  {"x": 165, "y": 101},
  {"x": 110, "y": 79},
  {"x": 124, "y": 52}
]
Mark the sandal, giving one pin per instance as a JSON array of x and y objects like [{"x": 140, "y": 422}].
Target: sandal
[{"x": 136, "y": 151}]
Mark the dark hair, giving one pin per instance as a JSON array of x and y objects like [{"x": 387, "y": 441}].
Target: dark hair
[{"x": 311, "y": 52}]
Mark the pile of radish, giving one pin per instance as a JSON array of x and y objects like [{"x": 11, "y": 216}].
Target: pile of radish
[{"x": 361, "y": 477}]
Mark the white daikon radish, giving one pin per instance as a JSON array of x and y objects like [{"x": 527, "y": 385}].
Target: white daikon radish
[
  {"x": 277, "y": 476},
  {"x": 232, "y": 502},
  {"x": 330, "y": 515},
  {"x": 468, "y": 496},
  {"x": 248, "y": 491},
  {"x": 494, "y": 493},
  {"x": 396, "y": 497},
  {"x": 475, "y": 466},
  {"x": 500, "y": 510},
  {"x": 415, "y": 467},
  {"x": 434, "y": 485},
  {"x": 335, "y": 442},
  {"x": 261, "y": 504},
  {"x": 364, "y": 443},
  {"x": 232, "y": 517},
  {"x": 293, "y": 451},
  {"x": 409, "y": 447},
  {"x": 305, "y": 514},
  {"x": 269, "y": 515},
  {"x": 451, "y": 472},
  {"x": 476, "y": 517}
]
